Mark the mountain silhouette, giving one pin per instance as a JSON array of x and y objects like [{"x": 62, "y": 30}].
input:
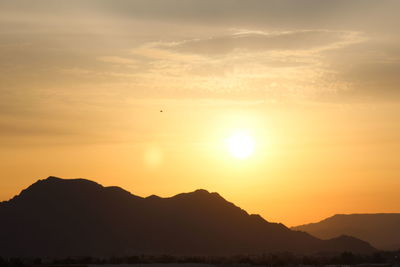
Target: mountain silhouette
[
  {"x": 58, "y": 217},
  {"x": 381, "y": 230}
]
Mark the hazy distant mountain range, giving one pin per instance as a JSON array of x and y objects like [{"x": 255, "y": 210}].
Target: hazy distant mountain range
[
  {"x": 57, "y": 217},
  {"x": 380, "y": 230}
]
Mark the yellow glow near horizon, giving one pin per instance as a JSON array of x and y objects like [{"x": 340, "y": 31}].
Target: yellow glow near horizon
[{"x": 241, "y": 145}]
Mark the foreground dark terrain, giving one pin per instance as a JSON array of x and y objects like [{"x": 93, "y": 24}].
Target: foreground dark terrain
[
  {"x": 377, "y": 259},
  {"x": 61, "y": 218}
]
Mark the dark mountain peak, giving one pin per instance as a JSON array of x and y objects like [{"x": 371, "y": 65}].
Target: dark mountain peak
[
  {"x": 205, "y": 193},
  {"x": 57, "y": 181},
  {"x": 53, "y": 178},
  {"x": 201, "y": 191},
  {"x": 202, "y": 197},
  {"x": 68, "y": 191},
  {"x": 200, "y": 194}
]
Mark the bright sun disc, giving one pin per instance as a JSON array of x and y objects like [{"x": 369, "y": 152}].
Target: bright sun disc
[{"x": 241, "y": 145}]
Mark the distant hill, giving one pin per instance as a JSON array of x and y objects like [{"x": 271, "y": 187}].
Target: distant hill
[
  {"x": 59, "y": 218},
  {"x": 380, "y": 230}
]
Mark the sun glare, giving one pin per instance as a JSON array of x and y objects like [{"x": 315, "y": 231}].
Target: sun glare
[{"x": 241, "y": 145}]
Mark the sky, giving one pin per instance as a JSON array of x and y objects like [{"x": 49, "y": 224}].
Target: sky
[{"x": 314, "y": 84}]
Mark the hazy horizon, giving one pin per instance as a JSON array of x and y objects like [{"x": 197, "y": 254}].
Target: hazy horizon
[{"x": 287, "y": 108}]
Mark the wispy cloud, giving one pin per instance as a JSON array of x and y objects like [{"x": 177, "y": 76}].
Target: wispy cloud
[{"x": 258, "y": 41}]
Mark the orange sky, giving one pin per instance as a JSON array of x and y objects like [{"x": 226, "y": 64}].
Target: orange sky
[{"x": 314, "y": 83}]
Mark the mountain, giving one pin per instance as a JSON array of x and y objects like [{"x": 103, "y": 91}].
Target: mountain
[
  {"x": 57, "y": 218},
  {"x": 381, "y": 230}
]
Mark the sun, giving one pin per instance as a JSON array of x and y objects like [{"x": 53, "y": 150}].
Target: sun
[{"x": 241, "y": 145}]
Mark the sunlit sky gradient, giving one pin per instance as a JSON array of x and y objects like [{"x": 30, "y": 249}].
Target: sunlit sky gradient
[{"x": 314, "y": 82}]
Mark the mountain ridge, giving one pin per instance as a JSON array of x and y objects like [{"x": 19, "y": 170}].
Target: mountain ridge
[
  {"x": 52, "y": 179},
  {"x": 379, "y": 229},
  {"x": 79, "y": 217}
]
